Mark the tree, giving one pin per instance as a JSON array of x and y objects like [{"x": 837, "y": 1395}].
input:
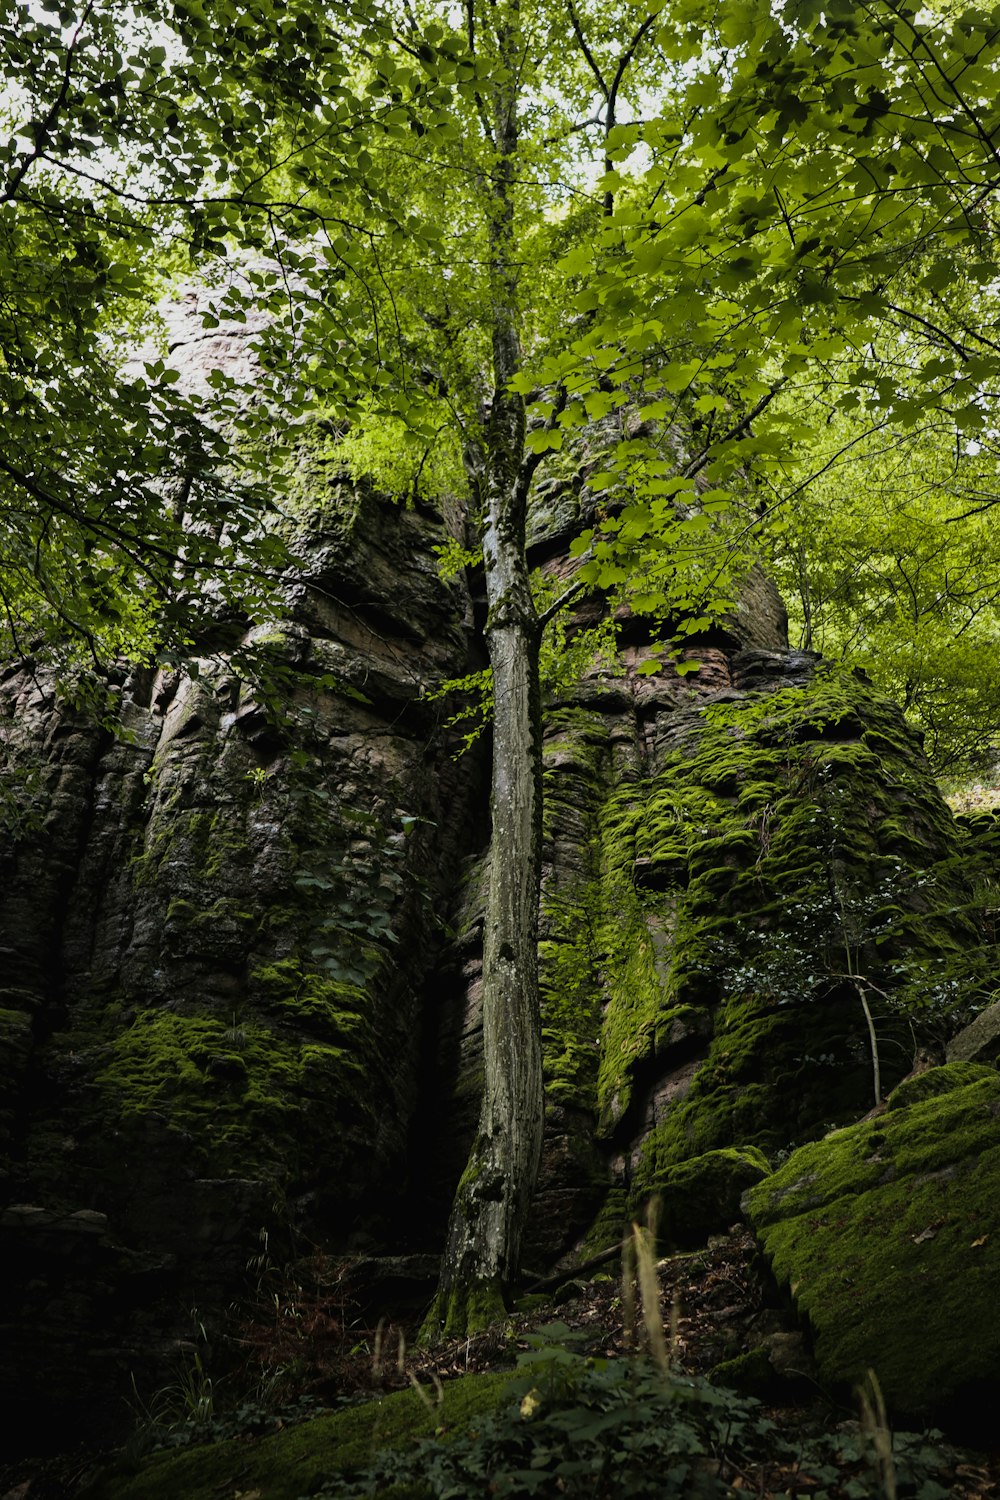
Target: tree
[
  {"x": 445, "y": 276},
  {"x": 894, "y": 567},
  {"x": 127, "y": 525},
  {"x": 435, "y": 360},
  {"x": 802, "y": 202}
]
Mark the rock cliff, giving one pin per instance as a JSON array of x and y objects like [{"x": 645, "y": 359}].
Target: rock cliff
[
  {"x": 241, "y": 950},
  {"x": 219, "y": 933}
]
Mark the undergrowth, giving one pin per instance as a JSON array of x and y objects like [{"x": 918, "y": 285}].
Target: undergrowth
[
  {"x": 629, "y": 1429},
  {"x": 566, "y": 1422}
]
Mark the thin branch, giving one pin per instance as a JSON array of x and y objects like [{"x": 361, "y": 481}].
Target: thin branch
[
  {"x": 610, "y": 118},
  {"x": 481, "y": 110},
  {"x": 531, "y": 461},
  {"x": 591, "y": 60},
  {"x": 43, "y": 128},
  {"x": 552, "y": 140},
  {"x": 575, "y": 588},
  {"x": 623, "y": 63},
  {"x": 934, "y": 329},
  {"x": 737, "y": 431}
]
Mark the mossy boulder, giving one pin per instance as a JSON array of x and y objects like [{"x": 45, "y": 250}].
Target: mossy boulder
[
  {"x": 219, "y": 929},
  {"x": 293, "y": 1462},
  {"x": 933, "y": 1081},
  {"x": 888, "y": 1235},
  {"x": 702, "y": 1196},
  {"x": 752, "y": 1374}
]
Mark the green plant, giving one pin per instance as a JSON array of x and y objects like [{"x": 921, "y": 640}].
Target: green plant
[
  {"x": 596, "y": 1429},
  {"x": 163, "y": 1426},
  {"x": 474, "y": 697},
  {"x": 176, "y": 1412},
  {"x": 577, "y": 1426},
  {"x": 875, "y": 1426},
  {"x": 301, "y": 1331}
]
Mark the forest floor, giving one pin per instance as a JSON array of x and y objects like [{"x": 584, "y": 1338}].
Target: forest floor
[
  {"x": 714, "y": 1303},
  {"x": 979, "y": 794},
  {"x": 717, "y": 1301}
]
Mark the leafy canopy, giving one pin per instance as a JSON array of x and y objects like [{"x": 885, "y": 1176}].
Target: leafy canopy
[{"x": 732, "y": 222}]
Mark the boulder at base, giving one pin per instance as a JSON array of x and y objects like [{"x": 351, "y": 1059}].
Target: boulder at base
[
  {"x": 888, "y": 1236},
  {"x": 701, "y": 1196}
]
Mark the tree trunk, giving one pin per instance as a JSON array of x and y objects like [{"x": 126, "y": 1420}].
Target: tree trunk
[
  {"x": 488, "y": 1216},
  {"x": 491, "y": 1204}
]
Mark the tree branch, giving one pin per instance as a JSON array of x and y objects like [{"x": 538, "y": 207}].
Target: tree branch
[
  {"x": 575, "y": 588},
  {"x": 44, "y": 127},
  {"x": 591, "y": 60},
  {"x": 736, "y": 431}
]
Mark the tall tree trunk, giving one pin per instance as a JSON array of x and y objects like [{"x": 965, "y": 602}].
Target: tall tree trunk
[{"x": 491, "y": 1204}]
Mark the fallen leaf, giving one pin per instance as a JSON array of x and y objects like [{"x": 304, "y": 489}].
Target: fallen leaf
[
  {"x": 530, "y": 1404},
  {"x": 981, "y": 1241}
]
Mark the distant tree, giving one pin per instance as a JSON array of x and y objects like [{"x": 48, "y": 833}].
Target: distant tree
[
  {"x": 894, "y": 566},
  {"x": 127, "y": 523}
]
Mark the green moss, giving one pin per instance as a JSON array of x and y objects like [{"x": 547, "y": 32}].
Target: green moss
[
  {"x": 637, "y": 993},
  {"x": 752, "y": 1374},
  {"x": 701, "y": 1196},
  {"x": 575, "y": 752},
  {"x": 15, "y": 1027},
  {"x": 181, "y": 911},
  {"x": 333, "y": 1007},
  {"x": 941, "y": 1080},
  {"x": 715, "y": 907},
  {"x": 201, "y": 842},
  {"x": 610, "y": 1224},
  {"x": 248, "y": 1096},
  {"x": 787, "y": 838},
  {"x": 292, "y": 1462},
  {"x": 464, "y": 1310},
  {"x": 886, "y": 1234}
]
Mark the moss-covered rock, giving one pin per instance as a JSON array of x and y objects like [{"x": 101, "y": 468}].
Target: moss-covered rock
[
  {"x": 888, "y": 1235},
  {"x": 798, "y": 852},
  {"x": 222, "y": 924},
  {"x": 702, "y": 1195},
  {"x": 291, "y": 1463},
  {"x": 933, "y": 1081},
  {"x": 247, "y": 1097},
  {"x": 735, "y": 868},
  {"x": 752, "y": 1374},
  {"x": 980, "y": 1040},
  {"x": 728, "y": 885}
]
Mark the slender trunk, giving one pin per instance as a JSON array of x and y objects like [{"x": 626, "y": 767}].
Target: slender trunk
[
  {"x": 872, "y": 1042},
  {"x": 488, "y": 1216}
]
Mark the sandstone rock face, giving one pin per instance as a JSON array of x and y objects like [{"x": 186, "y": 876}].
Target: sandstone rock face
[
  {"x": 887, "y": 1234},
  {"x": 980, "y": 1040},
  {"x": 241, "y": 952},
  {"x": 736, "y": 863},
  {"x": 218, "y": 931}
]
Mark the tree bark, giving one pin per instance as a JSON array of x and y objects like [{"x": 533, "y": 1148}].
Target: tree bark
[{"x": 488, "y": 1216}]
